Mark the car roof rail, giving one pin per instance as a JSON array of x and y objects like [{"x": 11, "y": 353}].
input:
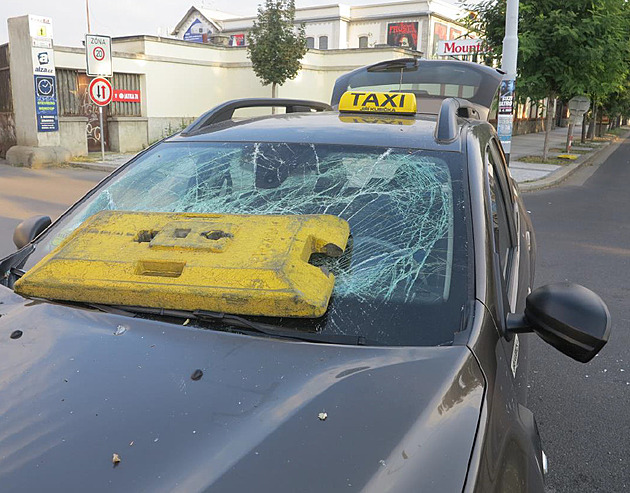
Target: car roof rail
[
  {"x": 225, "y": 111},
  {"x": 447, "y": 128}
]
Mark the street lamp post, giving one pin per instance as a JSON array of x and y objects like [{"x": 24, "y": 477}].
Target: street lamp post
[
  {"x": 506, "y": 94},
  {"x": 87, "y": 14}
]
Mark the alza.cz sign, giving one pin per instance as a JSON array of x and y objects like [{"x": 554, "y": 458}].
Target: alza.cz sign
[
  {"x": 126, "y": 96},
  {"x": 458, "y": 47}
]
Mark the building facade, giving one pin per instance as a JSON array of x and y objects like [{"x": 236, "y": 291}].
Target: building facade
[
  {"x": 162, "y": 85},
  {"x": 415, "y": 25}
]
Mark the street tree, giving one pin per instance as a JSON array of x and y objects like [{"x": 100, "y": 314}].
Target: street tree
[
  {"x": 566, "y": 48},
  {"x": 275, "y": 45}
]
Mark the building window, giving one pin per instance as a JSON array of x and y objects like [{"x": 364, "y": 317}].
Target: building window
[
  {"x": 363, "y": 41},
  {"x": 323, "y": 42},
  {"x": 310, "y": 42}
]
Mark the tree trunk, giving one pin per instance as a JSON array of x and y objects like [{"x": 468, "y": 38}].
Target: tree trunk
[
  {"x": 583, "y": 139},
  {"x": 274, "y": 94},
  {"x": 550, "y": 102},
  {"x": 591, "y": 127}
]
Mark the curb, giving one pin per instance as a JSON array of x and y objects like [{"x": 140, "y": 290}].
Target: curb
[
  {"x": 99, "y": 166},
  {"x": 565, "y": 172}
]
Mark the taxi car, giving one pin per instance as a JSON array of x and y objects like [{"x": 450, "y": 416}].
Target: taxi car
[{"x": 335, "y": 298}]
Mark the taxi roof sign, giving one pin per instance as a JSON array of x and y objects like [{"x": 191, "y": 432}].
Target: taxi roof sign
[{"x": 399, "y": 103}]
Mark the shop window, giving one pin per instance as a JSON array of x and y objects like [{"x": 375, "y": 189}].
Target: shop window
[
  {"x": 363, "y": 41},
  {"x": 323, "y": 42}
]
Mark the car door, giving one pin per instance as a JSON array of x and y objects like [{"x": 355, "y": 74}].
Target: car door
[
  {"x": 506, "y": 224},
  {"x": 511, "y": 456}
]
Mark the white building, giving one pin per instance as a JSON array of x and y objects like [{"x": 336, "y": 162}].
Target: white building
[
  {"x": 172, "y": 82},
  {"x": 415, "y": 24}
]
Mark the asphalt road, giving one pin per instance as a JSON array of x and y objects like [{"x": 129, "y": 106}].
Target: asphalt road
[
  {"x": 583, "y": 411},
  {"x": 25, "y": 192}
]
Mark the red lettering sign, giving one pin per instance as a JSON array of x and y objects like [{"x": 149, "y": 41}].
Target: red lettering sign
[
  {"x": 462, "y": 47},
  {"x": 125, "y": 96}
]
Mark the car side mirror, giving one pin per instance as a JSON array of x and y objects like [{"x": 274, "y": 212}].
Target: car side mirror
[
  {"x": 27, "y": 230},
  {"x": 570, "y": 317}
]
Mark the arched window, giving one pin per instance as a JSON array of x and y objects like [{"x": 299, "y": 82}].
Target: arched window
[
  {"x": 363, "y": 41},
  {"x": 323, "y": 42},
  {"x": 310, "y": 42}
]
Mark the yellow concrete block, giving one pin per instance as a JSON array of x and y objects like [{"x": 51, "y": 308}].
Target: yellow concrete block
[{"x": 248, "y": 265}]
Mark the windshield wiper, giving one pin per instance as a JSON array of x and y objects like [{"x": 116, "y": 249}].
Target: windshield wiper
[{"x": 241, "y": 323}]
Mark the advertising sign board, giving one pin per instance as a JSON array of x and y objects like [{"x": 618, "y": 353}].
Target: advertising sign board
[
  {"x": 46, "y": 103},
  {"x": 504, "y": 117},
  {"x": 458, "y": 47},
  {"x": 126, "y": 96},
  {"x": 98, "y": 52},
  {"x": 40, "y": 28},
  {"x": 42, "y": 56},
  {"x": 43, "y": 61},
  {"x": 197, "y": 32},
  {"x": 237, "y": 40},
  {"x": 403, "y": 34}
]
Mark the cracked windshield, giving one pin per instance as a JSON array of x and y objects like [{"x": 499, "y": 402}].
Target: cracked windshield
[{"x": 402, "y": 279}]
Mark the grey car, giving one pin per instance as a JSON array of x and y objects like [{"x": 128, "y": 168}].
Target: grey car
[{"x": 413, "y": 380}]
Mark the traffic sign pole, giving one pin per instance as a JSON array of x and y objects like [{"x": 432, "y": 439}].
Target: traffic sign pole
[
  {"x": 100, "y": 119},
  {"x": 101, "y": 92}
]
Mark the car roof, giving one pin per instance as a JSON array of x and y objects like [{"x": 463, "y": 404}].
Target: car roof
[{"x": 329, "y": 127}]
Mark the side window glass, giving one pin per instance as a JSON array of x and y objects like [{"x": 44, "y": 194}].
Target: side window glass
[
  {"x": 498, "y": 160},
  {"x": 500, "y": 223}
]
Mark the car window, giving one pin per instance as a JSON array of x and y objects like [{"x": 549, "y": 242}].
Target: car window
[
  {"x": 500, "y": 222},
  {"x": 403, "y": 278}
]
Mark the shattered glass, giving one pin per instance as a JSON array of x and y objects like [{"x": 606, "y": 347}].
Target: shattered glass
[{"x": 399, "y": 204}]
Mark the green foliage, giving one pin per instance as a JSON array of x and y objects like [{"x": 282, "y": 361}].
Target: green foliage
[
  {"x": 275, "y": 45},
  {"x": 566, "y": 47},
  {"x": 618, "y": 102}
]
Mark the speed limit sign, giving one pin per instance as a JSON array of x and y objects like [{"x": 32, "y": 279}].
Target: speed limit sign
[{"x": 100, "y": 90}]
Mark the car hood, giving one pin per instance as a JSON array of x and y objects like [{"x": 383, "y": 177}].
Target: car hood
[{"x": 269, "y": 414}]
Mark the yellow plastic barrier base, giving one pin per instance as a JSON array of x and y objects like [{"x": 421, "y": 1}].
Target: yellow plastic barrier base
[{"x": 248, "y": 265}]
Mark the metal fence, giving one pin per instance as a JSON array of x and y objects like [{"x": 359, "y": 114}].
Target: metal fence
[
  {"x": 68, "y": 92},
  {"x": 129, "y": 82}
]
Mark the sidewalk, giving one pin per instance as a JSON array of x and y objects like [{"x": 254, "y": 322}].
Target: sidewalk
[
  {"x": 94, "y": 161},
  {"x": 532, "y": 175}
]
